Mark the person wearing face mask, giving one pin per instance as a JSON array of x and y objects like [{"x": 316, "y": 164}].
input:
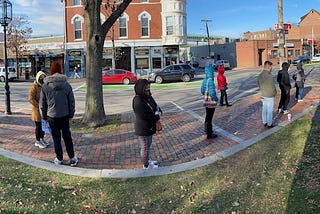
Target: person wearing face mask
[
  {"x": 147, "y": 113},
  {"x": 33, "y": 98},
  {"x": 283, "y": 79}
]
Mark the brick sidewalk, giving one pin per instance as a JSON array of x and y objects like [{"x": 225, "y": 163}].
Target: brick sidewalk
[{"x": 182, "y": 139}]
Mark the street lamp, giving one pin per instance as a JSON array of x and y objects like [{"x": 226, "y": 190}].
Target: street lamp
[
  {"x": 208, "y": 36},
  {"x": 5, "y": 19}
]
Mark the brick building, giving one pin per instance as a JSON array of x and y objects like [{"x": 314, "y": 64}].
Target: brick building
[
  {"x": 146, "y": 37},
  {"x": 303, "y": 39}
]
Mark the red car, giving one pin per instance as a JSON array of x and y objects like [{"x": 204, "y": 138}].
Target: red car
[{"x": 118, "y": 76}]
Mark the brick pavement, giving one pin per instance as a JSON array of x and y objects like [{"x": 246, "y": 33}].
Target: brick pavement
[{"x": 181, "y": 141}]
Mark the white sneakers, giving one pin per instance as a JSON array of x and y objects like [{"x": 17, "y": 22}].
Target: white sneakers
[
  {"x": 42, "y": 143},
  {"x": 73, "y": 161},
  {"x": 152, "y": 165}
]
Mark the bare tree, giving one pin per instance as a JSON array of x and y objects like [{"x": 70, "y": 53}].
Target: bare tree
[
  {"x": 18, "y": 35},
  {"x": 94, "y": 115}
]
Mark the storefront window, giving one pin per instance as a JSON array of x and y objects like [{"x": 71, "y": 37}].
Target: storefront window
[
  {"x": 290, "y": 53},
  {"x": 156, "y": 62},
  {"x": 142, "y": 63}
]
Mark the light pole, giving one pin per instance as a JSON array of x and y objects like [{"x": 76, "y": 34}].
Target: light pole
[
  {"x": 6, "y": 17},
  {"x": 208, "y": 36},
  {"x": 281, "y": 35}
]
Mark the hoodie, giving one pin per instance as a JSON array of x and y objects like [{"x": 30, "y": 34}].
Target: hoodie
[
  {"x": 209, "y": 80},
  {"x": 221, "y": 78},
  {"x": 145, "y": 108},
  {"x": 56, "y": 98}
]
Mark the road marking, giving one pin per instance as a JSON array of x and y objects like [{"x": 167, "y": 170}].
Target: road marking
[{"x": 177, "y": 106}]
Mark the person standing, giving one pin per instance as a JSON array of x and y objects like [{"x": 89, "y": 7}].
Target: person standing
[
  {"x": 208, "y": 82},
  {"x": 76, "y": 73},
  {"x": 299, "y": 78},
  {"x": 57, "y": 106},
  {"x": 268, "y": 92},
  {"x": 33, "y": 98},
  {"x": 222, "y": 86},
  {"x": 283, "y": 79},
  {"x": 146, "y": 115}
]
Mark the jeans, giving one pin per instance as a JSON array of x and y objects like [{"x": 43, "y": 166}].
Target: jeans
[
  {"x": 145, "y": 149},
  {"x": 299, "y": 92},
  {"x": 58, "y": 126},
  {"x": 267, "y": 110}
]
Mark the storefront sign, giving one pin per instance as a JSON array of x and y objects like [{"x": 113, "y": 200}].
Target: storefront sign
[{"x": 74, "y": 53}]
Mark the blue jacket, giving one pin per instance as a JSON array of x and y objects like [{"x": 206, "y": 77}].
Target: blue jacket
[{"x": 212, "y": 88}]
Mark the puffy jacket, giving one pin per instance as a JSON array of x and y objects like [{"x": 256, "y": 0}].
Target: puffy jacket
[
  {"x": 56, "y": 98},
  {"x": 210, "y": 80},
  {"x": 144, "y": 107}
]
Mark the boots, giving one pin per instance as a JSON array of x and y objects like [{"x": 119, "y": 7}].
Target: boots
[{"x": 208, "y": 130}]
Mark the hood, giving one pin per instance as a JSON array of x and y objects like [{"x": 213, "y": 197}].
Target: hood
[
  {"x": 39, "y": 74},
  {"x": 140, "y": 85},
  {"x": 56, "y": 81},
  {"x": 209, "y": 72},
  {"x": 221, "y": 70},
  {"x": 285, "y": 66},
  {"x": 299, "y": 65}
]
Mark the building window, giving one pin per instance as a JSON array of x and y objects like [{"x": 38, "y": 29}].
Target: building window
[
  {"x": 144, "y": 19},
  {"x": 156, "y": 63},
  {"x": 169, "y": 25},
  {"x": 290, "y": 53},
  {"x": 142, "y": 63},
  {"x": 143, "y": 1},
  {"x": 274, "y": 54},
  {"x": 76, "y": 2},
  {"x": 77, "y": 24},
  {"x": 123, "y": 26}
]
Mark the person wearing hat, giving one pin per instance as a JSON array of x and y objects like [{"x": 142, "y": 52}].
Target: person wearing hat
[
  {"x": 33, "y": 98},
  {"x": 57, "y": 106}
]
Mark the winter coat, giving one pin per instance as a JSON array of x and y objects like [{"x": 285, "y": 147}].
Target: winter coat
[
  {"x": 34, "y": 97},
  {"x": 266, "y": 84},
  {"x": 56, "y": 98},
  {"x": 221, "y": 78},
  {"x": 210, "y": 80},
  {"x": 144, "y": 107}
]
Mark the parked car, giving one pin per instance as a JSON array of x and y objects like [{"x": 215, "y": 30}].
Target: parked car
[
  {"x": 118, "y": 76},
  {"x": 303, "y": 59},
  {"x": 225, "y": 63},
  {"x": 316, "y": 58},
  {"x": 12, "y": 74},
  {"x": 177, "y": 72}
]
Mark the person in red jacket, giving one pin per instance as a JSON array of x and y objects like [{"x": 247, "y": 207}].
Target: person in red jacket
[{"x": 222, "y": 86}]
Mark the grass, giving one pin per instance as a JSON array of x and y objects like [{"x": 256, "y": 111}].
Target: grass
[{"x": 280, "y": 174}]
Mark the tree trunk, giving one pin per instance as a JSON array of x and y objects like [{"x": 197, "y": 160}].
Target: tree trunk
[{"x": 94, "y": 109}]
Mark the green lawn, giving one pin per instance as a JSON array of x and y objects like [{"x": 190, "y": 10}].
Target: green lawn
[{"x": 280, "y": 174}]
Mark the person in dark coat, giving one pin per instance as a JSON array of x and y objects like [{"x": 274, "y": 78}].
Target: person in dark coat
[
  {"x": 146, "y": 115},
  {"x": 299, "y": 78},
  {"x": 283, "y": 79}
]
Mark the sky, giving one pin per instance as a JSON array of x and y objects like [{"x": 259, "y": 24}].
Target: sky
[{"x": 230, "y": 18}]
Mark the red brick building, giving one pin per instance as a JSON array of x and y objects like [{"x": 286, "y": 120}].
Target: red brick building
[{"x": 303, "y": 39}]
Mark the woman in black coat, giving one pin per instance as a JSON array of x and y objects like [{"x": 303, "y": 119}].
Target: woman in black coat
[{"x": 147, "y": 114}]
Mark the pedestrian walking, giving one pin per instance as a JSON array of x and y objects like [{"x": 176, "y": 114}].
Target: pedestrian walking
[
  {"x": 147, "y": 113},
  {"x": 222, "y": 86},
  {"x": 33, "y": 98},
  {"x": 57, "y": 106},
  {"x": 283, "y": 79},
  {"x": 76, "y": 73},
  {"x": 299, "y": 78},
  {"x": 208, "y": 84},
  {"x": 268, "y": 92}
]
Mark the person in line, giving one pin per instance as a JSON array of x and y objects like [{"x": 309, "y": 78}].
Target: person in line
[
  {"x": 208, "y": 81},
  {"x": 57, "y": 106},
  {"x": 283, "y": 79},
  {"x": 33, "y": 98},
  {"x": 146, "y": 115},
  {"x": 299, "y": 78},
  {"x": 268, "y": 92},
  {"x": 222, "y": 86}
]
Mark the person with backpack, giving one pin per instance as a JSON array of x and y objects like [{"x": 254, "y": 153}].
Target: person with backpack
[{"x": 283, "y": 79}]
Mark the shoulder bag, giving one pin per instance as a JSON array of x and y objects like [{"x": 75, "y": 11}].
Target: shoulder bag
[{"x": 208, "y": 102}]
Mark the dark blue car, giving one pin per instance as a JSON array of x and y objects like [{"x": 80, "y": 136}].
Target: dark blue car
[{"x": 303, "y": 59}]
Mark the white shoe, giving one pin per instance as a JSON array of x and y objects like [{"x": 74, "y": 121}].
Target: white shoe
[
  {"x": 300, "y": 101},
  {"x": 285, "y": 112},
  {"x": 58, "y": 162},
  {"x": 279, "y": 110},
  {"x": 40, "y": 144},
  {"x": 44, "y": 142}
]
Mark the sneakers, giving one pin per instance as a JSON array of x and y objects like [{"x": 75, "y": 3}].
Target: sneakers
[
  {"x": 285, "y": 112},
  {"x": 40, "y": 144},
  {"x": 57, "y": 161},
  {"x": 74, "y": 161},
  {"x": 152, "y": 165},
  {"x": 280, "y": 111},
  {"x": 44, "y": 142},
  {"x": 300, "y": 101}
]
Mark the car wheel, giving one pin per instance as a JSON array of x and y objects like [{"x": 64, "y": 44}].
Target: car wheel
[
  {"x": 159, "y": 80},
  {"x": 2, "y": 79},
  {"x": 186, "y": 78},
  {"x": 126, "y": 81}
]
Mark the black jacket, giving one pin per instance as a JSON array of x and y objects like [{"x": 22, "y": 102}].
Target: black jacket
[{"x": 144, "y": 107}]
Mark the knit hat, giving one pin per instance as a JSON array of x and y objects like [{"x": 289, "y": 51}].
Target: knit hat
[{"x": 55, "y": 68}]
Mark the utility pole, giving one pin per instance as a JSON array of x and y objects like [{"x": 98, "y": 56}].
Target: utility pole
[
  {"x": 208, "y": 36},
  {"x": 281, "y": 34}
]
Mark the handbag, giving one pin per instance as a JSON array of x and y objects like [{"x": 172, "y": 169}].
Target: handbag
[
  {"x": 224, "y": 88},
  {"x": 208, "y": 102}
]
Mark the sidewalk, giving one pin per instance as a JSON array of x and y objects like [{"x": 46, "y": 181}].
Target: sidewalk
[{"x": 182, "y": 145}]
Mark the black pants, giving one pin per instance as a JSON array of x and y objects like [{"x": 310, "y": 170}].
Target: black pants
[
  {"x": 223, "y": 97},
  {"x": 61, "y": 126},
  {"x": 38, "y": 131},
  {"x": 284, "y": 99},
  {"x": 208, "y": 121}
]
